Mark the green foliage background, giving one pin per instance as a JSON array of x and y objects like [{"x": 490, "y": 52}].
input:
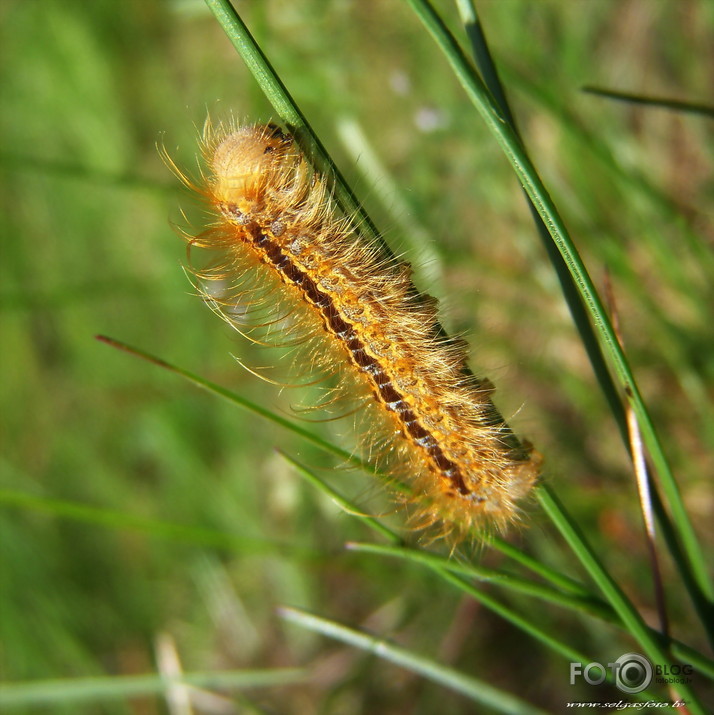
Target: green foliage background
[{"x": 133, "y": 505}]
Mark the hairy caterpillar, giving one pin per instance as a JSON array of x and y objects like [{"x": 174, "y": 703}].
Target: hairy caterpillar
[{"x": 281, "y": 241}]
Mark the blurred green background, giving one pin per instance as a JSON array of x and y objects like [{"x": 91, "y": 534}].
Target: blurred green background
[{"x": 135, "y": 507}]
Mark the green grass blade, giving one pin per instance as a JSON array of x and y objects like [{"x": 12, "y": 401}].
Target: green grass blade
[
  {"x": 510, "y": 550},
  {"x": 343, "y": 503},
  {"x": 703, "y": 607},
  {"x": 560, "y": 580},
  {"x": 477, "y": 690},
  {"x": 491, "y": 603},
  {"x": 317, "y": 441},
  {"x": 487, "y": 67},
  {"x": 289, "y": 112},
  {"x": 529, "y": 178},
  {"x": 621, "y": 604},
  {"x": 659, "y": 102},
  {"x": 582, "y": 601},
  {"x": 451, "y": 572},
  {"x": 565, "y": 651},
  {"x": 241, "y": 402},
  {"x": 584, "y": 604},
  {"x": 113, "y": 519},
  {"x": 457, "y": 574},
  {"x": 51, "y": 693},
  {"x": 572, "y": 296}
]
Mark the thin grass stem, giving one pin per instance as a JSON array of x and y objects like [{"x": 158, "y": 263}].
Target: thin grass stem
[
  {"x": 624, "y": 416},
  {"x": 627, "y": 612},
  {"x": 290, "y": 113},
  {"x": 477, "y": 690},
  {"x": 527, "y": 174},
  {"x": 53, "y": 693},
  {"x": 675, "y": 105}
]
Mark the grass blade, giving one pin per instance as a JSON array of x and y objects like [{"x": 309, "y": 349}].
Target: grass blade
[
  {"x": 614, "y": 594},
  {"x": 343, "y": 503},
  {"x": 583, "y": 604},
  {"x": 659, "y": 102},
  {"x": 529, "y": 178},
  {"x": 289, "y": 112},
  {"x": 114, "y": 519},
  {"x": 546, "y": 572},
  {"x": 239, "y": 401},
  {"x": 623, "y": 416},
  {"x": 51, "y": 693},
  {"x": 586, "y": 604},
  {"x": 457, "y": 580},
  {"x": 477, "y": 690}
]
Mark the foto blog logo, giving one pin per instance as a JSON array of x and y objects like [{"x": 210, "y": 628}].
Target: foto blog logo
[{"x": 632, "y": 672}]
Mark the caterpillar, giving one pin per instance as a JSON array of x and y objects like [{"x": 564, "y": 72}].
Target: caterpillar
[{"x": 282, "y": 242}]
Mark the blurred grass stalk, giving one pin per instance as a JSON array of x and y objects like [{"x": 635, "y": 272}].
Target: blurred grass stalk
[{"x": 72, "y": 691}]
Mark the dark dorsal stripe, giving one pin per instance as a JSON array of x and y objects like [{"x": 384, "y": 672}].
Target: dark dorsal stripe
[{"x": 368, "y": 364}]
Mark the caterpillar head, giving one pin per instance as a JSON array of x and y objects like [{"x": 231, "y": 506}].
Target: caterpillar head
[{"x": 246, "y": 159}]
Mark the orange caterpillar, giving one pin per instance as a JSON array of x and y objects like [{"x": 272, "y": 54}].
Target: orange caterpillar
[{"x": 277, "y": 225}]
